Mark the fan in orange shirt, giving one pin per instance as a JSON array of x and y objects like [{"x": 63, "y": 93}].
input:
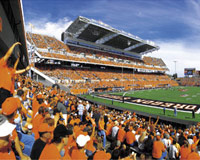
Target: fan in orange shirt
[
  {"x": 102, "y": 130},
  {"x": 8, "y": 73},
  {"x": 194, "y": 153},
  {"x": 121, "y": 134},
  {"x": 60, "y": 139},
  {"x": 9, "y": 109},
  {"x": 158, "y": 149},
  {"x": 184, "y": 151},
  {"x": 37, "y": 120},
  {"x": 130, "y": 137}
]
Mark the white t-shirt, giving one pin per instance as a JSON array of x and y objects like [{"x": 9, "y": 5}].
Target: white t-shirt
[
  {"x": 114, "y": 131},
  {"x": 172, "y": 151}
]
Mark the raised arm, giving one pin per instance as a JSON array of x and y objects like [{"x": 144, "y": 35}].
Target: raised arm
[
  {"x": 16, "y": 63},
  {"x": 10, "y": 50},
  {"x": 156, "y": 121},
  {"x": 23, "y": 70}
]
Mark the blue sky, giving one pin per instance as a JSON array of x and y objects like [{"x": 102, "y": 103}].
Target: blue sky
[{"x": 174, "y": 25}]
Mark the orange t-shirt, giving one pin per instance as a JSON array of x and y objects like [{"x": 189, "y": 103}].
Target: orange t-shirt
[
  {"x": 70, "y": 144},
  {"x": 193, "y": 155},
  {"x": 90, "y": 145},
  {"x": 7, "y": 155},
  {"x": 77, "y": 155},
  {"x": 99, "y": 155},
  {"x": 50, "y": 152},
  {"x": 36, "y": 123},
  {"x": 101, "y": 125},
  {"x": 158, "y": 148},
  {"x": 184, "y": 152},
  {"x": 109, "y": 129},
  {"x": 8, "y": 76},
  {"x": 35, "y": 106},
  {"x": 121, "y": 135},
  {"x": 130, "y": 137}
]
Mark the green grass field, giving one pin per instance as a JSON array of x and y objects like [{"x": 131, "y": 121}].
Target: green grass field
[
  {"x": 172, "y": 95},
  {"x": 190, "y": 95}
]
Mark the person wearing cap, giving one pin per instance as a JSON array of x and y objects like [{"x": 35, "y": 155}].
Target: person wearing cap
[
  {"x": 8, "y": 72},
  {"x": 45, "y": 135},
  {"x": 6, "y": 130},
  {"x": 9, "y": 109},
  {"x": 60, "y": 139},
  {"x": 158, "y": 151},
  {"x": 79, "y": 152}
]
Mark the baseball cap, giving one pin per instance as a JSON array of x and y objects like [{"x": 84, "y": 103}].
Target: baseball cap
[
  {"x": 81, "y": 140},
  {"x": 10, "y": 105},
  {"x": 61, "y": 131},
  {"x": 6, "y": 128},
  {"x": 101, "y": 155},
  {"x": 44, "y": 127}
]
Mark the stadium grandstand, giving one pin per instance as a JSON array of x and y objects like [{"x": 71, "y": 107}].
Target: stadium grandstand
[
  {"x": 38, "y": 121},
  {"x": 93, "y": 58}
]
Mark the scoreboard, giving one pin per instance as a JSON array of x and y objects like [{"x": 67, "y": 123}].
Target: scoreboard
[{"x": 189, "y": 71}]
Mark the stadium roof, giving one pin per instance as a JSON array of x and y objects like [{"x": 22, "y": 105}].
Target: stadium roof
[
  {"x": 100, "y": 34},
  {"x": 12, "y": 29}
]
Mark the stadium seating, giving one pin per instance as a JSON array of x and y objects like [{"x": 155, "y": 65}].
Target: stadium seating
[
  {"x": 91, "y": 79},
  {"x": 56, "y": 49},
  {"x": 81, "y": 80},
  {"x": 189, "y": 81}
]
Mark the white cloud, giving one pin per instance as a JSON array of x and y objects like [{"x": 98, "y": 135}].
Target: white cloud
[
  {"x": 42, "y": 26},
  {"x": 186, "y": 56}
]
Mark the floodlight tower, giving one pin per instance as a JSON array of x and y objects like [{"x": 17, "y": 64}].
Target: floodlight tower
[{"x": 175, "y": 66}]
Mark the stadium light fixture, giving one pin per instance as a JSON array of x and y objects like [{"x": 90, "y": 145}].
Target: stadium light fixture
[{"x": 175, "y": 65}]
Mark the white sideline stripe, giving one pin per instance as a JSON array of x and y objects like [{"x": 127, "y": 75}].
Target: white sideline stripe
[{"x": 145, "y": 105}]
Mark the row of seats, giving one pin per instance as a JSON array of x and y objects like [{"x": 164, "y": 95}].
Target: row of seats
[
  {"x": 189, "y": 81},
  {"x": 153, "y": 61},
  {"x": 91, "y": 79},
  {"x": 86, "y": 59},
  {"x": 88, "y": 55},
  {"x": 43, "y": 41}
]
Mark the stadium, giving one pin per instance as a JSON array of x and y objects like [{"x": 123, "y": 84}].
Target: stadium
[{"x": 97, "y": 66}]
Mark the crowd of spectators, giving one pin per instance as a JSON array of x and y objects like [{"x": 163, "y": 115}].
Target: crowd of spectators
[
  {"x": 189, "y": 81},
  {"x": 44, "y": 122},
  {"x": 90, "y": 56},
  {"x": 91, "y": 79}
]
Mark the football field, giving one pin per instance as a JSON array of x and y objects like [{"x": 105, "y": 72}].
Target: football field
[
  {"x": 185, "y": 99},
  {"x": 190, "y": 95}
]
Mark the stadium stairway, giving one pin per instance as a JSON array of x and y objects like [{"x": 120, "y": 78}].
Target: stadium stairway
[
  {"x": 45, "y": 77},
  {"x": 47, "y": 81}
]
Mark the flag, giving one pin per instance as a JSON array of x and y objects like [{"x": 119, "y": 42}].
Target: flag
[{"x": 31, "y": 25}]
